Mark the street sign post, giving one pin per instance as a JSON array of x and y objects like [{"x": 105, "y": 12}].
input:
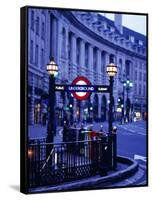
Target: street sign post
[{"x": 81, "y": 88}]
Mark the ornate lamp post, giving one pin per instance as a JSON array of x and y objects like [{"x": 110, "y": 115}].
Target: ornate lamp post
[
  {"x": 52, "y": 69},
  {"x": 112, "y": 71},
  {"x": 127, "y": 85}
]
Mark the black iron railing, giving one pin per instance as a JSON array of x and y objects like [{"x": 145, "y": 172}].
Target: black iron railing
[{"x": 51, "y": 164}]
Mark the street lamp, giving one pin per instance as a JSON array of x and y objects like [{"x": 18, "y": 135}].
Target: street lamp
[
  {"x": 111, "y": 70},
  {"x": 127, "y": 85},
  {"x": 52, "y": 69}
]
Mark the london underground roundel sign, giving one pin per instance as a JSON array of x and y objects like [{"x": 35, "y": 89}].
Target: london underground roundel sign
[{"x": 82, "y": 81}]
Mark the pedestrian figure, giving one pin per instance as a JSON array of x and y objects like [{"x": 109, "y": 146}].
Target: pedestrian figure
[
  {"x": 65, "y": 131},
  {"x": 44, "y": 119}
]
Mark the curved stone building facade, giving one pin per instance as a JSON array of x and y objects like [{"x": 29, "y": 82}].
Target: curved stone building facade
[{"x": 83, "y": 43}]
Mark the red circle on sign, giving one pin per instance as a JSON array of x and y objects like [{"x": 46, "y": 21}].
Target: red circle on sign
[{"x": 84, "y": 81}]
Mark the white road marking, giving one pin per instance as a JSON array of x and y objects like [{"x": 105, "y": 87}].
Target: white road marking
[
  {"x": 139, "y": 157},
  {"x": 131, "y": 132},
  {"x": 144, "y": 167},
  {"x": 129, "y": 181}
]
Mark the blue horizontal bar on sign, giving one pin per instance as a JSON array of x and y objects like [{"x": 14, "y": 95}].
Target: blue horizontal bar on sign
[{"x": 82, "y": 88}]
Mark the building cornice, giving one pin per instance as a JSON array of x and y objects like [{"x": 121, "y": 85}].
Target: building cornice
[{"x": 100, "y": 39}]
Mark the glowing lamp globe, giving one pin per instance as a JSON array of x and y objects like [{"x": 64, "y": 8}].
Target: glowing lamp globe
[
  {"x": 52, "y": 68},
  {"x": 111, "y": 70}
]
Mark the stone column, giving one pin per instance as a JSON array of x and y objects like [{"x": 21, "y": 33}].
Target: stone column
[
  {"x": 54, "y": 37},
  {"x": 99, "y": 65},
  {"x": 131, "y": 70},
  {"x": 90, "y": 63},
  {"x": 73, "y": 49},
  {"x": 66, "y": 43},
  {"x": 106, "y": 80},
  {"x": 73, "y": 57},
  {"x": 59, "y": 42},
  {"x": 82, "y": 56},
  {"x": 116, "y": 78},
  {"x": 66, "y": 70}
]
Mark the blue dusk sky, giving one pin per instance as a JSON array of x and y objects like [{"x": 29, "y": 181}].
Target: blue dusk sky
[{"x": 134, "y": 22}]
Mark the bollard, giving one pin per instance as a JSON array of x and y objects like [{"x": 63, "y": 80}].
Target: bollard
[{"x": 114, "y": 147}]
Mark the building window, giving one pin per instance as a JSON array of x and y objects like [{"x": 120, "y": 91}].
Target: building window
[
  {"x": 43, "y": 11},
  {"x": 37, "y": 25},
  {"x": 132, "y": 39},
  {"x": 136, "y": 42},
  {"x": 140, "y": 42},
  {"x": 135, "y": 75},
  {"x": 144, "y": 77},
  {"x": 95, "y": 59},
  {"x": 103, "y": 56},
  {"x": 127, "y": 68},
  {"x": 105, "y": 25},
  {"x": 144, "y": 91},
  {"x": 39, "y": 83},
  {"x": 135, "y": 88},
  {"x": 43, "y": 31},
  {"x": 112, "y": 29},
  {"x": 140, "y": 76},
  {"x": 139, "y": 89},
  {"x": 31, "y": 51},
  {"x": 32, "y": 20},
  {"x": 120, "y": 69},
  {"x": 30, "y": 78},
  {"x": 36, "y": 54},
  {"x": 143, "y": 51},
  {"x": 69, "y": 47},
  {"x": 63, "y": 43},
  {"x": 108, "y": 27},
  {"x": 111, "y": 59},
  {"x": 42, "y": 58}
]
